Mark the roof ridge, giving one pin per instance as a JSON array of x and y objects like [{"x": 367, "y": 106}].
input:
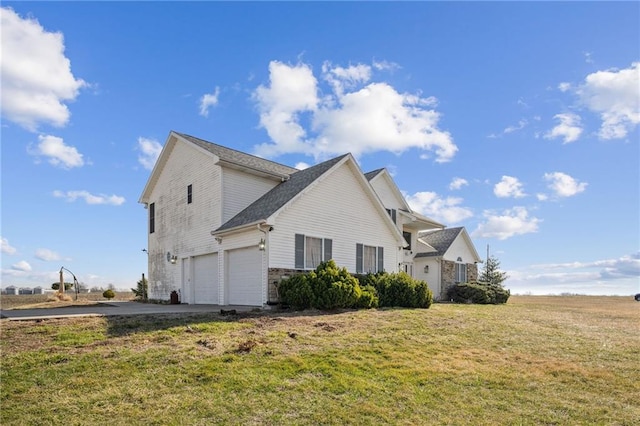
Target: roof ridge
[{"x": 185, "y": 135}]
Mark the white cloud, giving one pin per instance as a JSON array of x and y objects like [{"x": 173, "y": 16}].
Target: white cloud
[
  {"x": 208, "y": 100},
  {"x": 542, "y": 197},
  {"x": 521, "y": 125},
  {"x": 569, "y": 128},
  {"x": 628, "y": 265},
  {"x": 340, "y": 78},
  {"x": 509, "y": 186},
  {"x": 446, "y": 210},
  {"x": 36, "y": 75},
  {"x": 588, "y": 57},
  {"x": 458, "y": 183},
  {"x": 301, "y": 165},
  {"x": 59, "y": 154},
  {"x": 615, "y": 96},
  {"x": 23, "y": 266},
  {"x": 6, "y": 248},
  {"x": 510, "y": 223},
  {"x": 564, "y": 185},
  {"x": 47, "y": 255},
  {"x": 89, "y": 198},
  {"x": 358, "y": 116},
  {"x": 292, "y": 91},
  {"x": 149, "y": 152},
  {"x": 564, "y": 86}
]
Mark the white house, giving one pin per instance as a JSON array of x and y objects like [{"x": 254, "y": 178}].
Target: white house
[
  {"x": 225, "y": 227},
  {"x": 445, "y": 257}
]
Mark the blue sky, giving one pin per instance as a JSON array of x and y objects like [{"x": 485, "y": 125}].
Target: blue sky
[{"x": 519, "y": 121}]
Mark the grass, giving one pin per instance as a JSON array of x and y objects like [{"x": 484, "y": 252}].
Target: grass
[
  {"x": 34, "y": 301},
  {"x": 536, "y": 360}
]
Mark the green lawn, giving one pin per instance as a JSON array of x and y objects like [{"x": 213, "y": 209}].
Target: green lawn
[{"x": 536, "y": 360}]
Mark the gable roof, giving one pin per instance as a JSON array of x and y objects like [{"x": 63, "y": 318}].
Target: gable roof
[
  {"x": 225, "y": 157},
  {"x": 440, "y": 240},
  {"x": 238, "y": 158},
  {"x": 276, "y": 198},
  {"x": 420, "y": 220}
]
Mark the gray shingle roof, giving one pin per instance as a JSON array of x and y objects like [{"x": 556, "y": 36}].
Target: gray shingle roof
[
  {"x": 240, "y": 158},
  {"x": 440, "y": 240},
  {"x": 273, "y": 200},
  {"x": 370, "y": 175}
]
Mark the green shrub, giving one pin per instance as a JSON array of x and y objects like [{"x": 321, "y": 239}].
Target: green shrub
[
  {"x": 296, "y": 292},
  {"x": 368, "y": 298},
  {"x": 109, "y": 294},
  {"x": 478, "y": 292},
  {"x": 400, "y": 290},
  {"x": 333, "y": 287}
]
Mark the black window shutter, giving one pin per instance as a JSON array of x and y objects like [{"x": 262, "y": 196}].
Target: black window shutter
[
  {"x": 359, "y": 265},
  {"x": 393, "y": 215},
  {"x": 299, "y": 255},
  {"x": 380, "y": 259},
  {"x": 328, "y": 249}
]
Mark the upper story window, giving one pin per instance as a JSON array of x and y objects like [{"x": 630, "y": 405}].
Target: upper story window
[
  {"x": 189, "y": 193},
  {"x": 393, "y": 213},
  {"x": 310, "y": 251},
  {"x": 152, "y": 218},
  {"x": 369, "y": 259},
  {"x": 407, "y": 236}
]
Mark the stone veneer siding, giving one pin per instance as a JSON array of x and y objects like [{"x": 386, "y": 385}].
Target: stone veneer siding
[
  {"x": 449, "y": 275},
  {"x": 274, "y": 277}
]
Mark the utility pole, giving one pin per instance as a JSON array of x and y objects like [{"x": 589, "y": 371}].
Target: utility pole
[{"x": 61, "y": 289}]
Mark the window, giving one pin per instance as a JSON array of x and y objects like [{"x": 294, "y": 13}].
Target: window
[
  {"x": 189, "y": 194},
  {"x": 392, "y": 213},
  {"x": 461, "y": 271},
  {"x": 407, "y": 236},
  {"x": 310, "y": 251},
  {"x": 369, "y": 259},
  {"x": 152, "y": 218}
]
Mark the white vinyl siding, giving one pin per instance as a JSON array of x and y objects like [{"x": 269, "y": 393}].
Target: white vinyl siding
[
  {"x": 240, "y": 189},
  {"x": 336, "y": 207},
  {"x": 180, "y": 228}
]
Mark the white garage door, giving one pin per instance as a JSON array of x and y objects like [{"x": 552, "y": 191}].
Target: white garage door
[
  {"x": 205, "y": 279},
  {"x": 244, "y": 285}
]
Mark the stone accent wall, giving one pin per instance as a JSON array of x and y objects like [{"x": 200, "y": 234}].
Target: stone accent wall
[
  {"x": 472, "y": 272},
  {"x": 274, "y": 277},
  {"x": 449, "y": 275}
]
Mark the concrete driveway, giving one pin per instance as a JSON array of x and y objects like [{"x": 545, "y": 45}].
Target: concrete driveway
[{"x": 106, "y": 309}]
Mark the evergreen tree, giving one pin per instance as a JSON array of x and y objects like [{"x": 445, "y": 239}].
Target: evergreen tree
[
  {"x": 142, "y": 289},
  {"x": 491, "y": 274}
]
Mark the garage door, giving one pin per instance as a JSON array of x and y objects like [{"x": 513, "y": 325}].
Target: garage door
[
  {"x": 205, "y": 279},
  {"x": 244, "y": 286}
]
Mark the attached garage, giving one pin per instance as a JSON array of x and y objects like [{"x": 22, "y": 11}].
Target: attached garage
[
  {"x": 205, "y": 279},
  {"x": 244, "y": 276}
]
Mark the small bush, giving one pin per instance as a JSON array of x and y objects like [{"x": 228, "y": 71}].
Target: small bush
[
  {"x": 296, "y": 292},
  {"x": 368, "y": 298},
  {"x": 480, "y": 293},
  {"x": 400, "y": 290},
  {"x": 109, "y": 294},
  {"x": 333, "y": 287}
]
